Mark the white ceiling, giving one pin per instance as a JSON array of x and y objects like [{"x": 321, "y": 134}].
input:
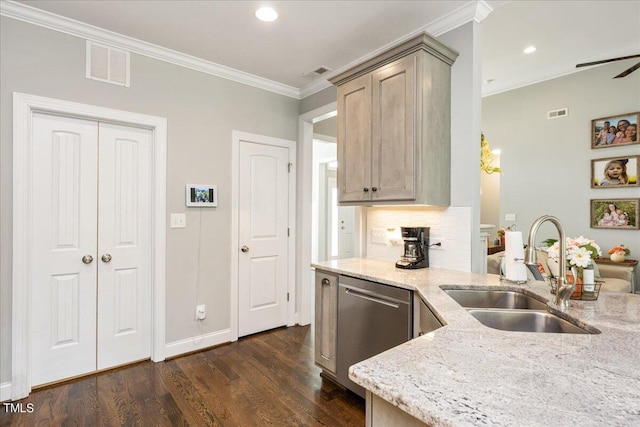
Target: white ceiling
[{"x": 338, "y": 34}]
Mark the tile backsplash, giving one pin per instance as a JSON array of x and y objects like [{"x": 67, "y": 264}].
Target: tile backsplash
[{"x": 452, "y": 224}]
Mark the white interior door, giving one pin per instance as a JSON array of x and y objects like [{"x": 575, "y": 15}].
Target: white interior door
[
  {"x": 64, "y": 231},
  {"x": 124, "y": 239},
  {"x": 340, "y": 222},
  {"x": 90, "y": 312},
  {"x": 263, "y": 210}
]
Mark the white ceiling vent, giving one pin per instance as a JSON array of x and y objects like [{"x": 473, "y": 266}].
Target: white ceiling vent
[
  {"x": 556, "y": 114},
  {"x": 107, "y": 64},
  {"x": 317, "y": 72}
]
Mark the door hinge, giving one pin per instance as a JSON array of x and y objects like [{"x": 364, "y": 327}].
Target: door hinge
[
  {"x": 287, "y": 296},
  {"x": 289, "y": 166}
]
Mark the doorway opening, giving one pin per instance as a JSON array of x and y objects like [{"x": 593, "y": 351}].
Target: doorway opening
[{"x": 321, "y": 217}]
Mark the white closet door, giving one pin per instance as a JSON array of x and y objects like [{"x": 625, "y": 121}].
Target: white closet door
[
  {"x": 91, "y": 237},
  {"x": 263, "y": 221},
  {"x": 124, "y": 239},
  {"x": 63, "y": 291}
]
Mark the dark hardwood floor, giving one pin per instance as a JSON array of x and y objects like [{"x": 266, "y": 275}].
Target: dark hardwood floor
[{"x": 267, "y": 379}]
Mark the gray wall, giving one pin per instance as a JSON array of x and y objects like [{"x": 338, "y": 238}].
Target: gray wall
[
  {"x": 201, "y": 109},
  {"x": 328, "y": 127},
  {"x": 547, "y": 163},
  {"x": 318, "y": 99}
]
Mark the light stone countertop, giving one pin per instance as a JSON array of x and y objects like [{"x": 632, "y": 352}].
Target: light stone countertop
[{"x": 467, "y": 374}]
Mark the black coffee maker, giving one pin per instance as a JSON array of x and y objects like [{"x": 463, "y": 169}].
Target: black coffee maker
[{"x": 416, "y": 244}]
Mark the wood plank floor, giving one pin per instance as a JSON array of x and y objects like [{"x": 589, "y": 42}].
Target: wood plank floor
[{"x": 267, "y": 379}]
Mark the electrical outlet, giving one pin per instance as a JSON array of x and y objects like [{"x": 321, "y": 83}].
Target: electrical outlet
[
  {"x": 509, "y": 217},
  {"x": 200, "y": 312},
  {"x": 437, "y": 244},
  {"x": 178, "y": 220},
  {"x": 379, "y": 235}
]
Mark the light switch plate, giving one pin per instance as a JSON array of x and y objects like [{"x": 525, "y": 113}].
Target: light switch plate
[
  {"x": 178, "y": 220},
  {"x": 509, "y": 217},
  {"x": 379, "y": 235}
]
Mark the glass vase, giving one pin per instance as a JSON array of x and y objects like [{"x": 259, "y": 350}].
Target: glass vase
[{"x": 576, "y": 277}]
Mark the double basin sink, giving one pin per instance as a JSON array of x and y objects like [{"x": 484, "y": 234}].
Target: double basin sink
[{"x": 512, "y": 311}]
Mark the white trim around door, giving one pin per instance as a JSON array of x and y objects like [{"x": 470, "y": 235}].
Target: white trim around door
[
  {"x": 23, "y": 108},
  {"x": 237, "y": 137}
]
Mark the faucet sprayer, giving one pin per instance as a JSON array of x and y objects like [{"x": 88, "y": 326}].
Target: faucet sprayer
[{"x": 564, "y": 289}]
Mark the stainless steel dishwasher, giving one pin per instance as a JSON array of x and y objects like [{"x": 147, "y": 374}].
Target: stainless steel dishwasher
[{"x": 372, "y": 318}]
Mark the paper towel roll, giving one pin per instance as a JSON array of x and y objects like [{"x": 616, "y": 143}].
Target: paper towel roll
[{"x": 515, "y": 269}]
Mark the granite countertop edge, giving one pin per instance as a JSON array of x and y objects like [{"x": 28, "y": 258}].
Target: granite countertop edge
[{"x": 468, "y": 374}]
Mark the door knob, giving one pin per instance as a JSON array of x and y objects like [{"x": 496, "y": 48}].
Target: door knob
[
  {"x": 244, "y": 248},
  {"x": 87, "y": 259},
  {"x": 106, "y": 257}
]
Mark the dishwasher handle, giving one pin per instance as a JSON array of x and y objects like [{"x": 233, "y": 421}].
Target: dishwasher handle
[{"x": 358, "y": 293}]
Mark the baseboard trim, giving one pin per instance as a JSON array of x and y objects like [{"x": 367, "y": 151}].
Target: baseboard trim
[
  {"x": 198, "y": 342},
  {"x": 5, "y": 391}
]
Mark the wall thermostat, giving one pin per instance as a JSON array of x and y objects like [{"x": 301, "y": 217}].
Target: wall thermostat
[{"x": 202, "y": 195}]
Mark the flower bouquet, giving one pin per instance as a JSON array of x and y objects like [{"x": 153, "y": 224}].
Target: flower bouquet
[{"x": 580, "y": 253}]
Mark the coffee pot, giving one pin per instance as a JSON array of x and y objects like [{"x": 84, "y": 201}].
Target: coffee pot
[{"x": 416, "y": 243}]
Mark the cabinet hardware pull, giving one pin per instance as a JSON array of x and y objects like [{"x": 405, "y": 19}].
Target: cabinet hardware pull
[
  {"x": 326, "y": 282},
  {"x": 366, "y": 190},
  {"x": 374, "y": 188}
]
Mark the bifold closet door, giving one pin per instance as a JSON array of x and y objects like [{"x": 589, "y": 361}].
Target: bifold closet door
[{"x": 90, "y": 266}]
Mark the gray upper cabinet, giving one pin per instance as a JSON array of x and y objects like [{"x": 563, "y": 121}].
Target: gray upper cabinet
[{"x": 394, "y": 126}]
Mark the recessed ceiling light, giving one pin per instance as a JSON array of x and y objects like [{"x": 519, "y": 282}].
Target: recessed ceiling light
[
  {"x": 266, "y": 14},
  {"x": 530, "y": 49}
]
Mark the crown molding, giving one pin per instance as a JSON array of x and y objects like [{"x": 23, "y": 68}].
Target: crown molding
[
  {"x": 31, "y": 15},
  {"x": 474, "y": 11}
]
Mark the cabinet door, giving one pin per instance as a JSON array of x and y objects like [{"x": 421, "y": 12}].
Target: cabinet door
[
  {"x": 354, "y": 140},
  {"x": 428, "y": 321},
  {"x": 393, "y": 131},
  {"x": 326, "y": 320}
]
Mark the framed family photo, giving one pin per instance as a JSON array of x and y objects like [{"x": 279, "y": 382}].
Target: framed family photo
[
  {"x": 615, "y": 213},
  {"x": 202, "y": 195},
  {"x": 615, "y": 131},
  {"x": 615, "y": 172}
]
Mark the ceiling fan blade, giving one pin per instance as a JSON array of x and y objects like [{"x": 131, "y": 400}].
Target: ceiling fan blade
[
  {"x": 604, "y": 61},
  {"x": 628, "y": 71}
]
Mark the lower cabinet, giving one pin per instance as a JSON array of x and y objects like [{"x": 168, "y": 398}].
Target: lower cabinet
[
  {"x": 424, "y": 319},
  {"x": 326, "y": 322},
  {"x": 381, "y": 413}
]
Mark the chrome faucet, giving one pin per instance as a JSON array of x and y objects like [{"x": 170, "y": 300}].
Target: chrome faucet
[{"x": 564, "y": 289}]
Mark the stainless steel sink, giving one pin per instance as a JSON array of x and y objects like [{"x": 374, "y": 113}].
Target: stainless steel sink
[
  {"x": 509, "y": 310},
  {"x": 525, "y": 321},
  {"x": 476, "y": 298}
]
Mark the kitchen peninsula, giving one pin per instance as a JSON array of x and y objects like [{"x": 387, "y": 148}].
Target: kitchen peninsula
[{"x": 467, "y": 374}]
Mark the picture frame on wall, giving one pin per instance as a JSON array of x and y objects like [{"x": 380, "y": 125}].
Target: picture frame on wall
[
  {"x": 613, "y": 172},
  {"x": 619, "y": 214},
  {"x": 201, "y": 195},
  {"x": 612, "y": 131}
]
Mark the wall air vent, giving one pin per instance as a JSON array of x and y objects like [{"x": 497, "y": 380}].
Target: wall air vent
[
  {"x": 317, "y": 72},
  {"x": 107, "y": 64},
  {"x": 556, "y": 114}
]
